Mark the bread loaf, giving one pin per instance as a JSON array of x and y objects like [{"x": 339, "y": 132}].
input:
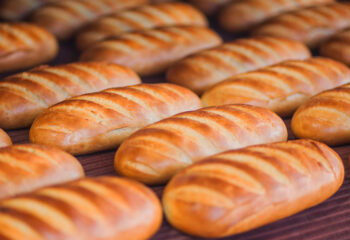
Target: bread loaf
[
  {"x": 23, "y": 96},
  {"x": 5, "y": 140},
  {"x": 141, "y": 18},
  {"x": 12, "y": 10},
  {"x": 103, "y": 208},
  {"x": 325, "y": 117},
  {"x": 242, "y": 15},
  {"x": 281, "y": 88},
  {"x": 24, "y": 45},
  {"x": 152, "y": 51},
  {"x": 240, "y": 190},
  {"x": 337, "y": 47},
  {"x": 27, "y": 167},
  {"x": 204, "y": 69},
  {"x": 64, "y": 18},
  {"x": 310, "y": 25},
  {"x": 209, "y": 6},
  {"x": 102, "y": 120},
  {"x": 155, "y": 153}
]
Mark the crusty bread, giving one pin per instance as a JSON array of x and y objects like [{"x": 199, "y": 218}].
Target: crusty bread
[
  {"x": 64, "y": 18},
  {"x": 141, "y": 18},
  {"x": 242, "y": 15},
  {"x": 155, "y": 153},
  {"x": 240, "y": 190},
  {"x": 23, "y": 96},
  {"x": 5, "y": 140},
  {"x": 325, "y": 117},
  {"x": 310, "y": 25},
  {"x": 102, "y": 120},
  {"x": 281, "y": 88},
  {"x": 209, "y": 6},
  {"x": 337, "y": 47},
  {"x": 204, "y": 69},
  {"x": 27, "y": 167},
  {"x": 152, "y": 51},
  {"x": 24, "y": 45},
  {"x": 12, "y": 10},
  {"x": 104, "y": 208}
]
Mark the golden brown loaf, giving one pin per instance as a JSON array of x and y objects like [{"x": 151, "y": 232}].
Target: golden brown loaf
[
  {"x": 102, "y": 120},
  {"x": 155, "y": 153},
  {"x": 338, "y": 47},
  {"x": 243, "y": 15},
  {"x": 23, "y": 96},
  {"x": 281, "y": 88},
  {"x": 27, "y": 167},
  {"x": 5, "y": 140},
  {"x": 209, "y": 6},
  {"x": 202, "y": 70},
  {"x": 104, "y": 208},
  {"x": 240, "y": 190},
  {"x": 141, "y": 18},
  {"x": 152, "y": 51},
  {"x": 17, "y": 9},
  {"x": 310, "y": 25},
  {"x": 24, "y": 45},
  {"x": 64, "y": 18},
  {"x": 325, "y": 117}
]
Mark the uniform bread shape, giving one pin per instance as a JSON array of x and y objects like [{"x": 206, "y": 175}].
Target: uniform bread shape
[
  {"x": 103, "y": 208},
  {"x": 240, "y": 190},
  {"x": 154, "y": 50},
  {"x": 310, "y": 25},
  {"x": 337, "y": 47},
  {"x": 243, "y": 15},
  {"x": 325, "y": 117},
  {"x": 12, "y": 10},
  {"x": 64, "y": 18},
  {"x": 141, "y": 18},
  {"x": 155, "y": 153},
  {"x": 27, "y": 167},
  {"x": 209, "y": 6},
  {"x": 102, "y": 120},
  {"x": 281, "y": 88},
  {"x": 23, "y": 96},
  {"x": 204, "y": 69},
  {"x": 24, "y": 45},
  {"x": 5, "y": 140}
]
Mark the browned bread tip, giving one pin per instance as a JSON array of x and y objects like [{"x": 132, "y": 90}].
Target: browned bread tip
[
  {"x": 154, "y": 50},
  {"x": 209, "y": 6},
  {"x": 104, "y": 208},
  {"x": 281, "y": 88},
  {"x": 240, "y": 190},
  {"x": 141, "y": 18},
  {"x": 155, "y": 153},
  {"x": 24, "y": 45},
  {"x": 337, "y": 47},
  {"x": 5, "y": 140},
  {"x": 204, "y": 69}
]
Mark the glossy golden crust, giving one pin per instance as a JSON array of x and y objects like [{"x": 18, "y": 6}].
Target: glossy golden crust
[
  {"x": 311, "y": 25},
  {"x": 23, "y": 96},
  {"x": 104, "y": 208},
  {"x": 209, "y": 6},
  {"x": 27, "y": 167},
  {"x": 5, "y": 140},
  {"x": 152, "y": 51},
  {"x": 281, "y": 88},
  {"x": 141, "y": 18},
  {"x": 325, "y": 117},
  {"x": 240, "y": 190},
  {"x": 204, "y": 69},
  {"x": 337, "y": 47},
  {"x": 243, "y": 15},
  {"x": 102, "y": 120},
  {"x": 155, "y": 153},
  {"x": 12, "y": 10},
  {"x": 24, "y": 45},
  {"x": 64, "y": 18}
]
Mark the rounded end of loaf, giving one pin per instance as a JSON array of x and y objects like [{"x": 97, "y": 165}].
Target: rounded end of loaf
[
  {"x": 5, "y": 139},
  {"x": 87, "y": 38},
  {"x": 337, "y": 48}
]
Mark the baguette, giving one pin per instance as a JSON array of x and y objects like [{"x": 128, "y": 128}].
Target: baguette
[
  {"x": 64, "y": 18},
  {"x": 310, "y": 25},
  {"x": 243, "y": 15},
  {"x": 209, "y": 7},
  {"x": 103, "y": 208},
  {"x": 5, "y": 140},
  {"x": 152, "y": 51},
  {"x": 102, "y": 120},
  {"x": 141, "y": 18},
  {"x": 27, "y": 167},
  {"x": 325, "y": 117},
  {"x": 281, "y": 88},
  {"x": 240, "y": 190},
  {"x": 337, "y": 47},
  {"x": 155, "y": 153},
  {"x": 23, "y": 96},
  {"x": 24, "y": 45},
  {"x": 202, "y": 70},
  {"x": 12, "y": 10}
]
